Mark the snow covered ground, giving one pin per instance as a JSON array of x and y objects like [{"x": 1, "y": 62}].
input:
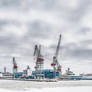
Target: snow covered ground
[{"x": 61, "y": 86}]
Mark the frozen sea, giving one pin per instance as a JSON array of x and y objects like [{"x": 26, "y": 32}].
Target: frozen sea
[{"x": 60, "y": 86}]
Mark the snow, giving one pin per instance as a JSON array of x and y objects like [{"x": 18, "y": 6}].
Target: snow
[
  {"x": 61, "y": 86},
  {"x": 59, "y": 89},
  {"x": 1, "y": 75}
]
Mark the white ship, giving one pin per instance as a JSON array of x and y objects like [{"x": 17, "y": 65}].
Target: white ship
[
  {"x": 86, "y": 76},
  {"x": 69, "y": 75}
]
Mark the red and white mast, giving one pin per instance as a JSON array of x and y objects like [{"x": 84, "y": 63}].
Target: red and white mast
[{"x": 15, "y": 67}]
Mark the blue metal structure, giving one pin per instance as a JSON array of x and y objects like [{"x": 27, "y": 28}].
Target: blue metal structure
[
  {"x": 48, "y": 73},
  {"x": 18, "y": 75}
]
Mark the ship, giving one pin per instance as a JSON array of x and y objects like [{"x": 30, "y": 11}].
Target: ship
[
  {"x": 86, "y": 76},
  {"x": 69, "y": 75}
]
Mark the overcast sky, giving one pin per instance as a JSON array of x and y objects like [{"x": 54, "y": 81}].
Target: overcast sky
[{"x": 24, "y": 23}]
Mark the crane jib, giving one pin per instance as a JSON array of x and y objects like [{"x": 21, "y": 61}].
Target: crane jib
[{"x": 58, "y": 46}]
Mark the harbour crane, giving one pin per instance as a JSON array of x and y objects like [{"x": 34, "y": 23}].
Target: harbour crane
[
  {"x": 55, "y": 64},
  {"x": 39, "y": 60}
]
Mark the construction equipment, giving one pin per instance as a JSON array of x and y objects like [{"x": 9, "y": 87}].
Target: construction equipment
[
  {"x": 39, "y": 61},
  {"x": 55, "y": 64},
  {"x": 15, "y": 67}
]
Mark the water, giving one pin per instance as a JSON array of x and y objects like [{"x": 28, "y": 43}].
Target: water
[{"x": 25, "y": 85}]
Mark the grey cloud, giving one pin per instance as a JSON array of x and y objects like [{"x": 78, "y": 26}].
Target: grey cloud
[
  {"x": 84, "y": 30},
  {"x": 4, "y": 23},
  {"x": 37, "y": 26},
  {"x": 87, "y": 42},
  {"x": 9, "y": 3},
  {"x": 38, "y": 29},
  {"x": 73, "y": 51},
  {"x": 79, "y": 54},
  {"x": 80, "y": 11}
]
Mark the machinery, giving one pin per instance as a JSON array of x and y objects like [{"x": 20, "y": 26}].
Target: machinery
[
  {"x": 55, "y": 64},
  {"x": 39, "y": 62}
]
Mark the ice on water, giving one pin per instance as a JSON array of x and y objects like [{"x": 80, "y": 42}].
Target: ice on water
[{"x": 26, "y": 85}]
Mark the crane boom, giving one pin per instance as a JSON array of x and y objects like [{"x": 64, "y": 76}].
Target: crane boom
[
  {"x": 58, "y": 47},
  {"x": 36, "y": 50},
  {"x": 14, "y": 61},
  {"x": 39, "y": 51}
]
